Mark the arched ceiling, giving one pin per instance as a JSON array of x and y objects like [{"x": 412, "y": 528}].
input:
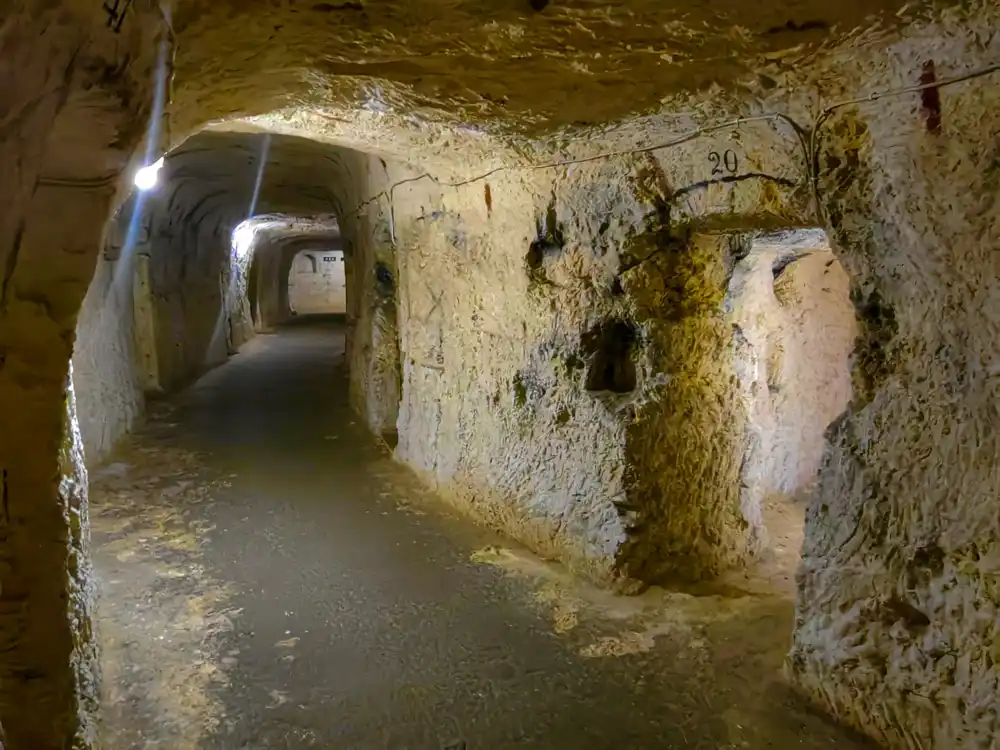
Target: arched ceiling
[
  {"x": 524, "y": 65},
  {"x": 299, "y": 177},
  {"x": 292, "y": 234},
  {"x": 432, "y": 82},
  {"x": 209, "y": 185}
]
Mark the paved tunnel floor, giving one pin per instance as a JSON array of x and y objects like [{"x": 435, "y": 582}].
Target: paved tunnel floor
[{"x": 271, "y": 579}]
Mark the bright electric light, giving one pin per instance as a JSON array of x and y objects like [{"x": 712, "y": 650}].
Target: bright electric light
[
  {"x": 145, "y": 178},
  {"x": 243, "y": 239}
]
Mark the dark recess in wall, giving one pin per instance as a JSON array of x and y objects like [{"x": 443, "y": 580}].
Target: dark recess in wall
[
  {"x": 384, "y": 282},
  {"x": 549, "y": 242},
  {"x": 610, "y": 347}
]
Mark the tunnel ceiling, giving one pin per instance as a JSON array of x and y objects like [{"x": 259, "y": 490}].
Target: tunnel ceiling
[
  {"x": 207, "y": 187},
  {"x": 569, "y": 64},
  {"x": 290, "y": 233},
  {"x": 424, "y": 81},
  {"x": 300, "y": 177}
]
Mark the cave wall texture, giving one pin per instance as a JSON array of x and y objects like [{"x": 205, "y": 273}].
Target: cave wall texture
[
  {"x": 106, "y": 374},
  {"x": 167, "y": 302},
  {"x": 897, "y": 628},
  {"x": 197, "y": 281},
  {"x": 515, "y": 301},
  {"x": 273, "y": 262},
  {"x": 53, "y": 78},
  {"x": 493, "y": 409},
  {"x": 553, "y": 349}
]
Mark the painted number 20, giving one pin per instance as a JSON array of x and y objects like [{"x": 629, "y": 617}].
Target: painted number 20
[{"x": 727, "y": 162}]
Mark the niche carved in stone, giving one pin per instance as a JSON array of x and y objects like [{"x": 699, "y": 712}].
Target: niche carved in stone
[
  {"x": 384, "y": 282},
  {"x": 548, "y": 243},
  {"x": 610, "y": 346}
]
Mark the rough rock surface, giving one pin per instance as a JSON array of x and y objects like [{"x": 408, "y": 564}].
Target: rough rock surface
[
  {"x": 897, "y": 628},
  {"x": 547, "y": 341},
  {"x": 60, "y": 68},
  {"x": 106, "y": 367}
]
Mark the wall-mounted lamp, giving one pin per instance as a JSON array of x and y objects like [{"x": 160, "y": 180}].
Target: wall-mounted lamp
[{"x": 147, "y": 177}]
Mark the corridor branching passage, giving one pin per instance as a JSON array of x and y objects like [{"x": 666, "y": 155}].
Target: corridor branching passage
[{"x": 271, "y": 579}]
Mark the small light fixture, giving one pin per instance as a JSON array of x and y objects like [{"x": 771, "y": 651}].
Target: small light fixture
[{"x": 146, "y": 178}]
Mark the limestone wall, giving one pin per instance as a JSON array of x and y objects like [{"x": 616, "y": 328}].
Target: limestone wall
[
  {"x": 898, "y": 624},
  {"x": 552, "y": 347},
  {"x": 168, "y": 300},
  {"x": 451, "y": 333},
  {"x": 549, "y": 346},
  {"x": 109, "y": 392},
  {"x": 317, "y": 283},
  {"x": 170, "y": 304},
  {"x": 272, "y": 261},
  {"x": 373, "y": 348},
  {"x": 72, "y": 95},
  {"x": 190, "y": 277},
  {"x": 494, "y": 405}
]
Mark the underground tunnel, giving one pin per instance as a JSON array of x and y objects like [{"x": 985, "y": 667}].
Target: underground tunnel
[{"x": 548, "y": 375}]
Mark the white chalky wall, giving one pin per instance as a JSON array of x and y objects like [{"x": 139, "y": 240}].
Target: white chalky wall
[
  {"x": 317, "y": 283},
  {"x": 480, "y": 314}
]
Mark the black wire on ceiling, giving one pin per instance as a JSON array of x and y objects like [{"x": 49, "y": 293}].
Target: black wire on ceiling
[{"x": 809, "y": 141}]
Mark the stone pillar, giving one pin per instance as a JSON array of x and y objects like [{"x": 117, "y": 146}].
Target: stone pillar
[
  {"x": 47, "y": 670},
  {"x": 686, "y": 438},
  {"x": 274, "y": 260},
  {"x": 898, "y": 623},
  {"x": 288, "y": 253},
  {"x": 71, "y": 95}
]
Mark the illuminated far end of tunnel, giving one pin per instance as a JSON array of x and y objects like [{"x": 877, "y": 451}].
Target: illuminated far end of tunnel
[{"x": 147, "y": 177}]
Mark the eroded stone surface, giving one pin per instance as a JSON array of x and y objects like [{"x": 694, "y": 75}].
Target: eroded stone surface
[
  {"x": 896, "y": 629},
  {"x": 504, "y": 329},
  {"x": 68, "y": 106}
]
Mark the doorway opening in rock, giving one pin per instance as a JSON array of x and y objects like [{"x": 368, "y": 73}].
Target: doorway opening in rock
[{"x": 789, "y": 301}]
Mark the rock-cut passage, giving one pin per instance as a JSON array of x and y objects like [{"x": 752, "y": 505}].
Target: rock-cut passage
[{"x": 271, "y": 579}]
